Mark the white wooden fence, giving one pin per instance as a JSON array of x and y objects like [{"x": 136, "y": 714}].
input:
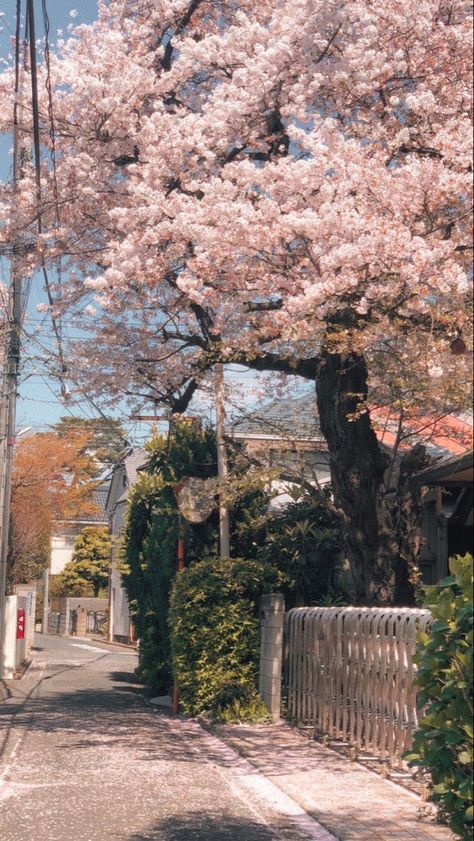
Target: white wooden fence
[{"x": 349, "y": 672}]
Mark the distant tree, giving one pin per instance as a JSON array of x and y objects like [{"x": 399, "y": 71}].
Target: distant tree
[
  {"x": 106, "y": 437},
  {"x": 52, "y": 479},
  {"x": 87, "y": 572}
]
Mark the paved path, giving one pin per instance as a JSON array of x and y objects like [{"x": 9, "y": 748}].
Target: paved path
[
  {"x": 351, "y": 801},
  {"x": 86, "y": 758}
]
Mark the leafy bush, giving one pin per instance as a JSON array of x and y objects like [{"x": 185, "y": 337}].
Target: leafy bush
[
  {"x": 150, "y": 542},
  {"x": 215, "y": 635},
  {"x": 304, "y": 541},
  {"x": 444, "y": 743}
]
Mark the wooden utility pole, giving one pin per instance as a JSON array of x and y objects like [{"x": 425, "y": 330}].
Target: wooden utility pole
[{"x": 222, "y": 463}]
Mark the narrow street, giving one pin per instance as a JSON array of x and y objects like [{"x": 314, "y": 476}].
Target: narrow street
[{"x": 85, "y": 756}]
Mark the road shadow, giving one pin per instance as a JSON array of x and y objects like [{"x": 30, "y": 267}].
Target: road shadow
[
  {"x": 114, "y": 718},
  {"x": 201, "y": 826},
  {"x": 120, "y": 717},
  {"x": 198, "y": 826}
]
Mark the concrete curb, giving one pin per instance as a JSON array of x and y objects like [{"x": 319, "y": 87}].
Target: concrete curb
[
  {"x": 4, "y": 691},
  {"x": 266, "y": 788},
  {"x": 132, "y": 647}
]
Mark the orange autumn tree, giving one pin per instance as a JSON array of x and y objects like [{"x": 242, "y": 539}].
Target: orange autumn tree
[{"x": 52, "y": 479}]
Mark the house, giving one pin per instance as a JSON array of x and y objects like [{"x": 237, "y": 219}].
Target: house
[
  {"x": 285, "y": 434},
  {"x": 124, "y": 476},
  {"x": 66, "y": 531},
  {"x": 448, "y": 494}
]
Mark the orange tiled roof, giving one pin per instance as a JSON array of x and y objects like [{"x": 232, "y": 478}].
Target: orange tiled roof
[{"x": 448, "y": 432}]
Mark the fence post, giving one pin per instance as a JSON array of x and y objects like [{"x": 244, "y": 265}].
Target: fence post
[{"x": 272, "y": 611}]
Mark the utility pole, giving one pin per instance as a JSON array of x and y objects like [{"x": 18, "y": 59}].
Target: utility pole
[
  {"x": 11, "y": 361},
  {"x": 222, "y": 470},
  {"x": 7, "y": 429}
]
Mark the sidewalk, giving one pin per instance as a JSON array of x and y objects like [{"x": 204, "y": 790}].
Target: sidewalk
[{"x": 353, "y": 803}]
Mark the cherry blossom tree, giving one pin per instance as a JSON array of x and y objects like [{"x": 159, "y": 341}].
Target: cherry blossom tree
[{"x": 285, "y": 185}]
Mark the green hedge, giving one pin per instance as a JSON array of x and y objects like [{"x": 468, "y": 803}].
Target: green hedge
[
  {"x": 151, "y": 537},
  {"x": 215, "y": 635},
  {"x": 444, "y": 743}
]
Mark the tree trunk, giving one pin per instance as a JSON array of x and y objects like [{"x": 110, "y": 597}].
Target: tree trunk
[
  {"x": 406, "y": 511},
  {"x": 357, "y": 466}
]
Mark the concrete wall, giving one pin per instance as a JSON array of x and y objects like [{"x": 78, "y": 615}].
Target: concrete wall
[
  {"x": 272, "y": 612},
  {"x": 62, "y": 608},
  {"x": 15, "y": 652},
  {"x": 29, "y": 593},
  {"x": 120, "y": 612}
]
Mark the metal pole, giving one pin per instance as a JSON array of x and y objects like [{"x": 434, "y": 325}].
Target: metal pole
[
  {"x": 179, "y": 568},
  {"x": 222, "y": 462},
  {"x": 44, "y": 626},
  {"x": 110, "y": 634}
]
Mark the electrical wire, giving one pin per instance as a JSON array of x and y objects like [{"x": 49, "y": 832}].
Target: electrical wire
[
  {"x": 37, "y": 156},
  {"x": 52, "y": 124}
]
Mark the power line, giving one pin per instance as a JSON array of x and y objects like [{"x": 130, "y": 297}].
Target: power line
[{"x": 37, "y": 155}]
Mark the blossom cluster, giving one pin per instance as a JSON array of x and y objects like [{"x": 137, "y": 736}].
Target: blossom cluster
[{"x": 212, "y": 157}]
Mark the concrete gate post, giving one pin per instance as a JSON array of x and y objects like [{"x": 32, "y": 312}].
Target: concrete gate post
[{"x": 272, "y": 612}]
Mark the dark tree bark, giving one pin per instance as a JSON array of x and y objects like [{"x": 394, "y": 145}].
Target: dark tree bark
[
  {"x": 406, "y": 510},
  {"x": 381, "y": 530},
  {"x": 358, "y": 467}
]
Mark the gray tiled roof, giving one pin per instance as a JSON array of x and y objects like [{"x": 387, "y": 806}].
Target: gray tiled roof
[
  {"x": 136, "y": 459},
  {"x": 98, "y": 517},
  {"x": 296, "y": 418}
]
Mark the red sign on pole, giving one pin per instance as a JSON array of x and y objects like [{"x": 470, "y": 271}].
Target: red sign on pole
[{"x": 20, "y": 624}]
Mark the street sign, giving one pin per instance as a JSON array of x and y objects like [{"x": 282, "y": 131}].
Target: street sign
[
  {"x": 197, "y": 498},
  {"x": 20, "y": 624}
]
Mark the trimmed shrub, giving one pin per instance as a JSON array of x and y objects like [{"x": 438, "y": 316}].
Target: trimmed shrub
[
  {"x": 215, "y": 636},
  {"x": 444, "y": 743}
]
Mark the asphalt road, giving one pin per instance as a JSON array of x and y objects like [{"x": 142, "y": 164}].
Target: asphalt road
[{"x": 84, "y": 756}]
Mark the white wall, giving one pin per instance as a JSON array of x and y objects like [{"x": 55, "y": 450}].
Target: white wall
[
  {"x": 120, "y": 616},
  {"x": 62, "y": 548},
  {"x": 15, "y": 651}
]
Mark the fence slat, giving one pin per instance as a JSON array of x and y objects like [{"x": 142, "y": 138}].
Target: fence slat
[{"x": 349, "y": 673}]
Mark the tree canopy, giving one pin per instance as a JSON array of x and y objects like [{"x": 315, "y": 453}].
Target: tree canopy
[
  {"x": 52, "y": 479},
  {"x": 87, "y": 573},
  {"x": 106, "y": 437},
  {"x": 284, "y": 184}
]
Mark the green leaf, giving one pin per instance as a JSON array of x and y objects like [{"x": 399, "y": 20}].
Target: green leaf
[
  {"x": 441, "y": 788},
  {"x": 412, "y": 757}
]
